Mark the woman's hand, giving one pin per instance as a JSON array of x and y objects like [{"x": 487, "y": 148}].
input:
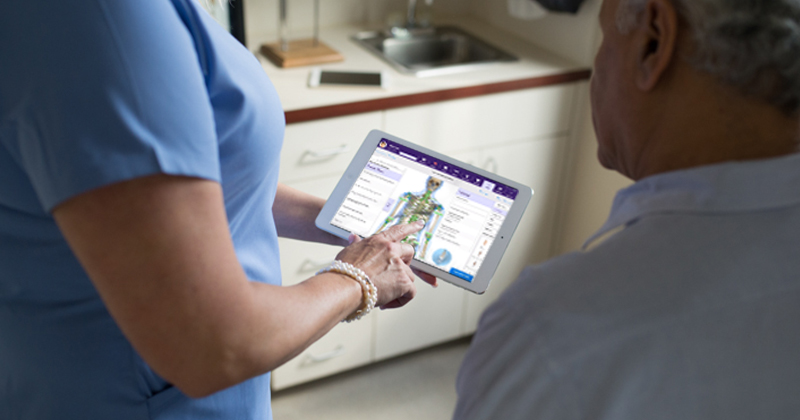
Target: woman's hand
[{"x": 385, "y": 260}]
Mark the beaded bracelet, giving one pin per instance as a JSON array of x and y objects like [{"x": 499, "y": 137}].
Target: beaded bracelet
[{"x": 370, "y": 292}]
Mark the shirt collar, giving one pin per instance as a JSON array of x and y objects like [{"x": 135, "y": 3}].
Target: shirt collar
[{"x": 726, "y": 187}]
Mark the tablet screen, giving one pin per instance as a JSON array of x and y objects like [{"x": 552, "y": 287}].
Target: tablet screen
[{"x": 462, "y": 211}]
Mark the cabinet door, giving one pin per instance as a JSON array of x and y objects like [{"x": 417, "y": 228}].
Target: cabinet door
[
  {"x": 535, "y": 163},
  {"x": 325, "y": 147},
  {"x": 433, "y": 316},
  {"x": 474, "y": 123},
  {"x": 347, "y": 345}
]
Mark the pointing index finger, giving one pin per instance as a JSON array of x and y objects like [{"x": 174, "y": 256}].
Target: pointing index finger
[{"x": 397, "y": 233}]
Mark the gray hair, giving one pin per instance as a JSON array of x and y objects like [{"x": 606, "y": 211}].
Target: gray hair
[{"x": 753, "y": 45}]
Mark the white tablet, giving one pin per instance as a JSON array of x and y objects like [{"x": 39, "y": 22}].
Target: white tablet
[{"x": 470, "y": 214}]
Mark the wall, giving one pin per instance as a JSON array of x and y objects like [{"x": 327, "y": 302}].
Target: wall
[
  {"x": 590, "y": 188},
  {"x": 570, "y": 36},
  {"x": 261, "y": 17},
  {"x": 219, "y": 10}
]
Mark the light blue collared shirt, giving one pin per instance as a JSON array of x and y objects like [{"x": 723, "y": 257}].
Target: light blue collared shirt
[{"x": 689, "y": 312}]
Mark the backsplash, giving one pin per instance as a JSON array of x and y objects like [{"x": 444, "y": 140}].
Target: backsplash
[
  {"x": 261, "y": 16},
  {"x": 570, "y": 36}
]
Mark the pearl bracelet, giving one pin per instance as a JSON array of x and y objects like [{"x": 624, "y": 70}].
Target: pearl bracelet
[{"x": 370, "y": 292}]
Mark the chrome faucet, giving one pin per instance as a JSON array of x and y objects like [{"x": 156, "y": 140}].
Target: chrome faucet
[{"x": 411, "y": 20}]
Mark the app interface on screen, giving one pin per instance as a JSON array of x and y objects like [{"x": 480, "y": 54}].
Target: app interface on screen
[{"x": 462, "y": 211}]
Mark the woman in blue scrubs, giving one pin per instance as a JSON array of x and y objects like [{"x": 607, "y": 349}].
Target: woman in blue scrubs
[{"x": 139, "y": 216}]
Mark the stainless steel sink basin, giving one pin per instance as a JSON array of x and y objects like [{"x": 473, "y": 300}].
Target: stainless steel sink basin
[{"x": 432, "y": 51}]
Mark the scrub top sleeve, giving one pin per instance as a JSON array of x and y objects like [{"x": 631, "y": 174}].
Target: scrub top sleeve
[{"x": 122, "y": 95}]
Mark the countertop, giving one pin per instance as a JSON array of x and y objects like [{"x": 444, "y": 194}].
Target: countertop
[{"x": 536, "y": 67}]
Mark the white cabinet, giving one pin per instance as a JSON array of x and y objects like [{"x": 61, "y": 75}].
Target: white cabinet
[
  {"x": 537, "y": 164},
  {"x": 476, "y": 123},
  {"x": 433, "y": 316},
  {"x": 347, "y": 345},
  {"x": 521, "y": 135}
]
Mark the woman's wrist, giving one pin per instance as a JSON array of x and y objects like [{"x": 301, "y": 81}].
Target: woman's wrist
[{"x": 369, "y": 291}]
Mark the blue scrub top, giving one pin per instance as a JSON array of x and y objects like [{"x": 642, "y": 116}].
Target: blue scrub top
[{"x": 97, "y": 92}]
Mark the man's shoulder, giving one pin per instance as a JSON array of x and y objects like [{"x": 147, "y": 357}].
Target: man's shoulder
[
  {"x": 580, "y": 277},
  {"x": 524, "y": 341},
  {"x": 579, "y": 299}
]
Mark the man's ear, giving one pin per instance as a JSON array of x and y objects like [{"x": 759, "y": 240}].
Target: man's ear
[{"x": 657, "y": 39}]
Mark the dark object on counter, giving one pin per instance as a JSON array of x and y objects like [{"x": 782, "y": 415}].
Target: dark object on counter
[{"x": 570, "y": 6}]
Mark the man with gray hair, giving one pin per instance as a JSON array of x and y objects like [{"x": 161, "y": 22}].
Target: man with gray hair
[{"x": 685, "y": 305}]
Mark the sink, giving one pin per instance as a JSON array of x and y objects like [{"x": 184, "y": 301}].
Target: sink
[{"x": 432, "y": 51}]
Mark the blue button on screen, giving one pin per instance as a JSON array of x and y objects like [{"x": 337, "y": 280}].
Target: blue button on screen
[{"x": 462, "y": 275}]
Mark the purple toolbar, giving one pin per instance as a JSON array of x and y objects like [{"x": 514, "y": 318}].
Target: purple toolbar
[{"x": 452, "y": 170}]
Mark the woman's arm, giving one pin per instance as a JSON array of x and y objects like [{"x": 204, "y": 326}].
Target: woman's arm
[
  {"x": 159, "y": 252},
  {"x": 295, "y": 212}
]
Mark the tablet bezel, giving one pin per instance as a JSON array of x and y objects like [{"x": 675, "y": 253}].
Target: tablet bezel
[{"x": 483, "y": 277}]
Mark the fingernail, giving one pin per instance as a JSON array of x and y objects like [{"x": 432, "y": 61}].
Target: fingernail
[
  {"x": 351, "y": 238},
  {"x": 419, "y": 223}
]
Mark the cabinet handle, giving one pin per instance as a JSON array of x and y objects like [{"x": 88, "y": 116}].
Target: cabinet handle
[
  {"x": 325, "y": 154},
  {"x": 324, "y": 357},
  {"x": 491, "y": 165},
  {"x": 311, "y": 265}
]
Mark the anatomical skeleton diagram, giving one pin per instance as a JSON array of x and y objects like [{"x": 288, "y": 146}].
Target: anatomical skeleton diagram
[{"x": 411, "y": 207}]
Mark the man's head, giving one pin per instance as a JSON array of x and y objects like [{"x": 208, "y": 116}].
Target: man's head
[
  {"x": 753, "y": 45},
  {"x": 690, "y": 67}
]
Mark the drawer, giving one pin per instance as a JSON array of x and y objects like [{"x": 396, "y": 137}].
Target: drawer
[
  {"x": 324, "y": 147},
  {"x": 301, "y": 260},
  {"x": 345, "y": 347},
  {"x": 473, "y": 123}
]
